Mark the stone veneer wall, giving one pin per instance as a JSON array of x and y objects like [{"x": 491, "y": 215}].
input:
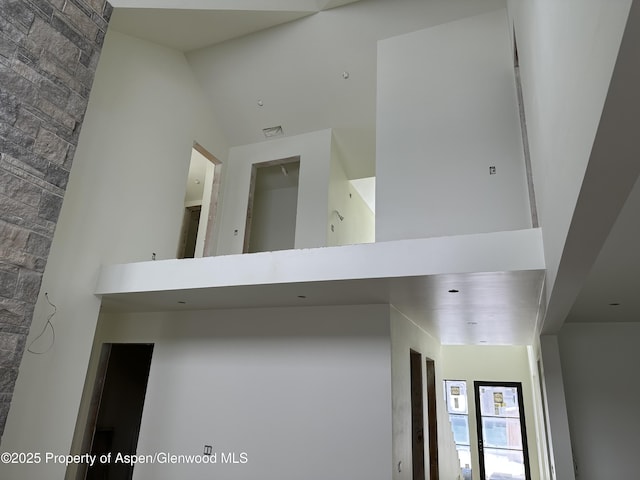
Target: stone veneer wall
[{"x": 49, "y": 51}]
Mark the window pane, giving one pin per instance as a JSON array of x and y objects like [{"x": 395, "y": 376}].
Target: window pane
[
  {"x": 499, "y": 402},
  {"x": 503, "y": 464},
  {"x": 456, "y": 394},
  {"x": 502, "y": 433},
  {"x": 464, "y": 454},
  {"x": 460, "y": 427}
]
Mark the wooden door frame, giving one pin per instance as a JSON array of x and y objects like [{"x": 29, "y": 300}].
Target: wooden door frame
[
  {"x": 209, "y": 236},
  {"x": 523, "y": 428}
]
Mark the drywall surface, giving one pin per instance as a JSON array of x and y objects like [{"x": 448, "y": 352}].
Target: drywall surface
[
  {"x": 599, "y": 365},
  {"x": 407, "y": 336},
  {"x": 559, "y": 437},
  {"x": 297, "y": 69},
  {"x": 314, "y": 150},
  {"x": 273, "y": 224},
  {"x": 366, "y": 186},
  {"x": 357, "y": 224},
  {"x": 304, "y": 392},
  {"x": 536, "y": 370},
  {"x": 500, "y": 363},
  {"x": 488, "y": 252},
  {"x": 124, "y": 202},
  {"x": 442, "y": 122},
  {"x": 295, "y": 5},
  {"x": 567, "y": 52},
  {"x": 195, "y": 180}
]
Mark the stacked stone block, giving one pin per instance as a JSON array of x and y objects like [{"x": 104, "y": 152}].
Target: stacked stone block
[{"x": 49, "y": 51}]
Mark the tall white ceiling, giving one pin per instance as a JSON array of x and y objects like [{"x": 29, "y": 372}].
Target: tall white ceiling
[
  {"x": 190, "y": 24},
  {"x": 187, "y": 30},
  {"x": 203, "y": 5}
]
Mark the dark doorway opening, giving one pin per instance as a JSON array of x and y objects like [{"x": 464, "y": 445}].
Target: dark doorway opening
[
  {"x": 417, "y": 417},
  {"x": 432, "y": 420},
  {"x": 119, "y": 395},
  {"x": 189, "y": 235}
]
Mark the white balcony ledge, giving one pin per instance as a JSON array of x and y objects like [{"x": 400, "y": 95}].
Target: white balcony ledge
[{"x": 499, "y": 277}]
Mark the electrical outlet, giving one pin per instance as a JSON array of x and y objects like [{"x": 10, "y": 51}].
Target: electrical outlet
[{"x": 492, "y": 170}]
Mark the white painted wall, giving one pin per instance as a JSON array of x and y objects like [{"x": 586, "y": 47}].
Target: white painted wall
[
  {"x": 567, "y": 52},
  {"x": 366, "y": 187},
  {"x": 314, "y": 150},
  {"x": 195, "y": 180},
  {"x": 124, "y": 201},
  {"x": 599, "y": 367},
  {"x": 536, "y": 371},
  {"x": 446, "y": 112},
  {"x": 306, "y": 392},
  {"x": 273, "y": 224},
  {"x": 358, "y": 225},
  {"x": 407, "y": 336},
  {"x": 559, "y": 437},
  {"x": 297, "y": 68},
  {"x": 493, "y": 363},
  {"x": 489, "y": 252}
]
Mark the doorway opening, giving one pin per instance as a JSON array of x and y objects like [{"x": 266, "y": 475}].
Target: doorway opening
[
  {"x": 502, "y": 436},
  {"x": 432, "y": 420},
  {"x": 417, "y": 417},
  {"x": 189, "y": 233},
  {"x": 273, "y": 206},
  {"x": 116, "y": 408},
  {"x": 200, "y": 204}
]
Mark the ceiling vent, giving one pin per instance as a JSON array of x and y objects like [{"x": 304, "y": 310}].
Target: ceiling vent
[{"x": 273, "y": 131}]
